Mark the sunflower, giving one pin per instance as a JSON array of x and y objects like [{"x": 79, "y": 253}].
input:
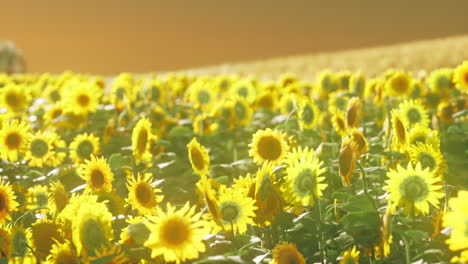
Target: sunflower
[
  {"x": 289, "y": 103},
  {"x": 91, "y": 228},
  {"x": 308, "y": 114},
  {"x": 141, "y": 136},
  {"x": 242, "y": 112},
  {"x": 268, "y": 146},
  {"x": 287, "y": 253},
  {"x": 54, "y": 114},
  {"x": 142, "y": 196},
  {"x": 20, "y": 240},
  {"x": 13, "y": 139},
  {"x": 177, "y": 235},
  {"x": 44, "y": 233},
  {"x": 62, "y": 253},
  {"x": 266, "y": 100},
  {"x": 207, "y": 188},
  {"x": 327, "y": 82},
  {"x": 244, "y": 88},
  {"x": 414, "y": 188},
  {"x": 429, "y": 157},
  {"x": 82, "y": 98},
  {"x": 97, "y": 174},
  {"x": 419, "y": 134},
  {"x": 40, "y": 149},
  {"x": 236, "y": 210},
  {"x": 398, "y": 83},
  {"x": 457, "y": 220},
  {"x": 58, "y": 197},
  {"x": 360, "y": 140},
  {"x": 8, "y": 202},
  {"x": 201, "y": 94},
  {"x": 460, "y": 76},
  {"x": 296, "y": 154},
  {"x": 338, "y": 101},
  {"x": 347, "y": 160},
  {"x": 199, "y": 157},
  {"x": 304, "y": 181},
  {"x": 156, "y": 91},
  {"x": 357, "y": 83},
  {"x": 445, "y": 112},
  {"x": 413, "y": 113},
  {"x": 14, "y": 98},
  {"x": 400, "y": 134},
  {"x": 247, "y": 184},
  {"x": 267, "y": 196},
  {"x": 440, "y": 81},
  {"x": 339, "y": 122},
  {"x": 38, "y": 199},
  {"x": 83, "y": 146},
  {"x": 350, "y": 256},
  {"x": 353, "y": 112}
]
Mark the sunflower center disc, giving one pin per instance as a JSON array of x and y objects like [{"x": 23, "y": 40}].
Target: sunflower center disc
[
  {"x": 229, "y": 212},
  {"x": 243, "y": 91},
  {"x": 400, "y": 130},
  {"x": 155, "y": 94},
  {"x": 197, "y": 159},
  {"x": 93, "y": 235},
  {"x": 97, "y": 178},
  {"x": 83, "y": 100},
  {"x": 203, "y": 97},
  {"x": 142, "y": 141},
  {"x": 85, "y": 149},
  {"x": 288, "y": 256},
  {"x": 427, "y": 160},
  {"x": 2, "y": 203},
  {"x": 269, "y": 148},
  {"x": 414, "y": 188},
  {"x": 143, "y": 193},
  {"x": 175, "y": 232},
  {"x": 12, "y": 99},
  {"x": 13, "y": 141},
  {"x": 39, "y": 148},
  {"x": 414, "y": 116},
  {"x": 400, "y": 85},
  {"x": 305, "y": 182},
  {"x": 308, "y": 114}
]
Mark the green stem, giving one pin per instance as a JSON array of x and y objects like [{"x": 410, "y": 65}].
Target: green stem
[
  {"x": 407, "y": 249},
  {"x": 364, "y": 178},
  {"x": 321, "y": 242}
]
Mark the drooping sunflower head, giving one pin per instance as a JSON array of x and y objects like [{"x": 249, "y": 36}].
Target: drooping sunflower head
[
  {"x": 304, "y": 182},
  {"x": 339, "y": 122},
  {"x": 91, "y": 228},
  {"x": 14, "y": 98},
  {"x": 308, "y": 114},
  {"x": 40, "y": 149},
  {"x": 236, "y": 210},
  {"x": 97, "y": 174},
  {"x": 457, "y": 220},
  {"x": 400, "y": 134},
  {"x": 199, "y": 157},
  {"x": 428, "y": 157},
  {"x": 359, "y": 140},
  {"x": 141, "y": 136},
  {"x": 413, "y": 113},
  {"x": 58, "y": 197},
  {"x": 413, "y": 188},
  {"x": 142, "y": 196},
  {"x": 63, "y": 253},
  {"x": 268, "y": 146},
  {"x": 353, "y": 112},
  {"x": 83, "y": 146},
  {"x": 350, "y": 256},
  {"x": 13, "y": 139},
  {"x": 44, "y": 234},
  {"x": 398, "y": 84},
  {"x": 347, "y": 160},
  {"x": 460, "y": 76},
  {"x": 268, "y": 197},
  {"x": 8, "y": 202},
  {"x": 176, "y": 234},
  {"x": 287, "y": 253}
]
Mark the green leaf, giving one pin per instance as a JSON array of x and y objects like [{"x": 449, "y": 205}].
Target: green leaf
[
  {"x": 359, "y": 203},
  {"x": 416, "y": 235},
  {"x": 117, "y": 161},
  {"x": 180, "y": 131}
]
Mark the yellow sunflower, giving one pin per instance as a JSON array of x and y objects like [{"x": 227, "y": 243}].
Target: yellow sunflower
[
  {"x": 241, "y": 111},
  {"x": 419, "y": 134},
  {"x": 13, "y": 139},
  {"x": 14, "y": 98},
  {"x": 398, "y": 84},
  {"x": 267, "y": 196},
  {"x": 339, "y": 122},
  {"x": 142, "y": 196},
  {"x": 268, "y": 146},
  {"x": 457, "y": 220},
  {"x": 267, "y": 100},
  {"x": 413, "y": 113},
  {"x": 414, "y": 188},
  {"x": 338, "y": 101},
  {"x": 201, "y": 94},
  {"x": 40, "y": 149},
  {"x": 8, "y": 202},
  {"x": 400, "y": 134},
  {"x": 97, "y": 174},
  {"x": 176, "y": 234},
  {"x": 357, "y": 83},
  {"x": 156, "y": 91},
  {"x": 38, "y": 199},
  {"x": 58, "y": 197},
  {"x": 54, "y": 114},
  {"x": 83, "y": 146},
  {"x": 440, "y": 81},
  {"x": 62, "y": 253},
  {"x": 141, "y": 136},
  {"x": 91, "y": 228},
  {"x": 44, "y": 233},
  {"x": 287, "y": 253},
  {"x": 326, "y": 82},
  {"x": 207, "y": 188},
  {"x": 353, "y": 112},
  {"x": 244, "y": 88},
  {"x": 236, "y": 211},
  {"x": 360, "y": 140},
  {"x": 308, "y": 114},
  {"x": 347, "y": 160},
  {"x": 296, "y": 154},
  {"x": 429, "y": 157},
  {"x": 304, "y": 181},
  {"x": 460, "y": 76},
  {"x": 82, "y": 98},
  {"x": 445, "y": 112},
  {"x": 350, "y": 256},
  {"x": 199, "y": 157}
]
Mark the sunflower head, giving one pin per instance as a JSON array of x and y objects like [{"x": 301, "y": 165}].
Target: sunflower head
[
  {"x": 14, "y": 97},
  {"x": 97, "y": 174},
  {"x": 339, "y": 122},
  {"x": 44, "y": 234},
  {"x": 398, "y": 84},
  {"x": 428, "y": 157},
  {"x": 141, "y": 136},
  {"x": 425, "y": 135},
  {"x": 400, "y": 134},
  {"x": 241, "y": 111},
  {"x": 457, "y": 220},
  {"x": 287, "y": 253},
  {"x": 63, "y": 253},
  {"x": 440, "y": 81},
  {"x": 347, "y": 160},
  {"x": 83, "y": 146},
  {"x": 142, "y": 195},
  {"x": 308, "y": 114},
  {"x": 413, "y": 113},
  {"x": 40, "y": 149},
  {"x": 236, "y": 211},
  {"x": 268, "y": 146},
  {"x": 460, "y": 76},
  {"x": 360, "y": 141},
  {"x": 199, "y": 157},
  {"x": 13, "y": 139},
  {"x": 413, "y": 188},
  {"x": 267, "y": 196},
  {"x": 20, "y": 240},
  {"x": 327, "y": 82},
  {"x": 8, "y": 202}
]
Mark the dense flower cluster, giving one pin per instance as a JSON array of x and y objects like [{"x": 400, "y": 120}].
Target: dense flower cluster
[{"x": 229, "y": 169}]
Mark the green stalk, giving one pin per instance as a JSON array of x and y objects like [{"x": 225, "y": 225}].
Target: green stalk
[
  {"x": 321, "y": 242},
  {"x": 407, "y": 249},
  {"x": 364, "y": 178}
]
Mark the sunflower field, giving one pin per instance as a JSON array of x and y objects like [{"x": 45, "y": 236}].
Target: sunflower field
[{"x": 182, "y": 168}]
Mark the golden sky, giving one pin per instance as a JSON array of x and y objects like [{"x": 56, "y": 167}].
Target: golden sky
[{"x": 111, "y": 36}]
